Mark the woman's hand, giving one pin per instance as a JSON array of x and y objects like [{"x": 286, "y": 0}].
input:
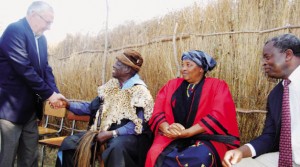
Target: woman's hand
[
  {"x": 172, "y": 131},
  {"x": 176, "y": 130},
  {"x": 164, "y": 127},
  {"x": 193, "y": 130},
  {"x": 186, "y": 133}
]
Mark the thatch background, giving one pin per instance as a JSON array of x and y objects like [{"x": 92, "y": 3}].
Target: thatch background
[{"x": 232, "y": 31}]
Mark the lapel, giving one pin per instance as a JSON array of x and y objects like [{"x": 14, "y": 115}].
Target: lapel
[
  {"x": 279, "y": 98},
  {"x": 32, "y": 49},
  {"x": 276, "y": 105}
]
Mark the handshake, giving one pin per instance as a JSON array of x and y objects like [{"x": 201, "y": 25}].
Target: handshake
[{"x": 57, "y": 100}]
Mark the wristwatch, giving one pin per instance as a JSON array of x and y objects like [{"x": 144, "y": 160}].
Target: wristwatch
[{"x": 114, "y": 133}]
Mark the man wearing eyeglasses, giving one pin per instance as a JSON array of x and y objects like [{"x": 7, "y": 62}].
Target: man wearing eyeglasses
[{"x": 26, "y": 81}]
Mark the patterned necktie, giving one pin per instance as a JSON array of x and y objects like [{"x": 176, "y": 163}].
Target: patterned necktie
[{"x": 285, "y": 145}]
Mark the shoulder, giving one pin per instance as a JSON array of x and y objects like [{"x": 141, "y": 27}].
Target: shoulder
[
  {"x": 16, "y": 26},
  {"x": 278, "y": 87},
  {"x": 172, "y": 84},
  {"x": 276, "y": 90},
  {"x": 16, "y": 30},
  {"x": 140, "y": 91},
  {"x": 12, "y": 29},
  {"x": 175, "y": 81},
  {"x": 140, "y": 87}
]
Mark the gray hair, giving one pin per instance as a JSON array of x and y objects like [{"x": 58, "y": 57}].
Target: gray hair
[
  {"x": 286, "y": 41},
  {"x": 38, "y": 6}
]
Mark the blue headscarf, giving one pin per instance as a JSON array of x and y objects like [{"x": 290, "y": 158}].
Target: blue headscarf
[{"x": 201, "y": 58}]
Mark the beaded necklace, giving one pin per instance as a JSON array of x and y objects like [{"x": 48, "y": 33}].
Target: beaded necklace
[{"x": 190, "y": 89}]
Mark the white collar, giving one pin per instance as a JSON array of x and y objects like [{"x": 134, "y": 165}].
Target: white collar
[{"x": 294, "y": 77}]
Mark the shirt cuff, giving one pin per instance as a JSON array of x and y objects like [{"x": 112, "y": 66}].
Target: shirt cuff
[
  {"x": 253, "y": 152},
  {"x": 121, "y": 131}
]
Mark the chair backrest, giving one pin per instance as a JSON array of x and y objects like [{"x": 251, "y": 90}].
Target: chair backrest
[
  {"x": 60, "y": 112},
  {"x": 51, "y": 112},
  {"x": 74, "y": 118}
]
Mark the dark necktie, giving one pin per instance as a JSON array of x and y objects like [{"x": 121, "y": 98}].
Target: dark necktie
[{"x": 285, "y": 145}]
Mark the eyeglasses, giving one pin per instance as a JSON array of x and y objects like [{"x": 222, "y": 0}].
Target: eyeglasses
[{"x": 46, "y": 21}]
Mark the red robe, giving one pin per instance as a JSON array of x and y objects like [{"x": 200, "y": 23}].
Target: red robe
[{"x": 215, "y": 102}]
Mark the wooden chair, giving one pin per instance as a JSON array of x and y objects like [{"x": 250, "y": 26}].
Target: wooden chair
[
  {"x": 52, "y": 113},
  {"x": 55, "y": 142}
]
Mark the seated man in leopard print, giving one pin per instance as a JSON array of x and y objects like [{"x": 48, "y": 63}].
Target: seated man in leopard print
[{"x": 119, "y": 120}]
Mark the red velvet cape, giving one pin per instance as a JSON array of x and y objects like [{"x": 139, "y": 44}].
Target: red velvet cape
[{"x": 215, "y": 102}]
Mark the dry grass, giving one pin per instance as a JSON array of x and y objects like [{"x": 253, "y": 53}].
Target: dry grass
[
  {"x": 250, "y": 123},
  {"x": 231, "y": 31},
  {"x": 50, "y": 158}
]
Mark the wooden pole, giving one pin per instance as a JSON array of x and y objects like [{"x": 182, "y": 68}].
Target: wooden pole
[
  {"x": 105, "y": 45},
  {"x": 175, "y": 50}
]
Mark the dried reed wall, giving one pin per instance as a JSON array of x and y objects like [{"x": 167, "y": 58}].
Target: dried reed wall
[{"x": 232, "y": 31}]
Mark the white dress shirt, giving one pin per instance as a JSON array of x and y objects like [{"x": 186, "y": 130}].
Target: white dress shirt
[{"x": 294, "y": 92}]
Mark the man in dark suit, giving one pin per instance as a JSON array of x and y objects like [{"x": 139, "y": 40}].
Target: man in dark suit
[
  {"x": 26, "y": 81},
  {"x": 281, "y": 60}
]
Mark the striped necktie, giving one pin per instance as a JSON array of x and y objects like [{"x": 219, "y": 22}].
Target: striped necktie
[{"x": 285, "y": 144}]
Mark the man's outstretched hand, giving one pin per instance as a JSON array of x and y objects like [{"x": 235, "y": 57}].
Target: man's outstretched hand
[{"x": 57, "y": 100}]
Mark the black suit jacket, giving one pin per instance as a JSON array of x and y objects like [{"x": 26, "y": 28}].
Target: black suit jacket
[
  {"x": 268, "y": 141},
  {"x": 23, "y": 73}
]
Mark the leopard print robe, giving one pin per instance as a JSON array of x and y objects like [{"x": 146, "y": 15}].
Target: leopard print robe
[{"x": 121, "y": 104}]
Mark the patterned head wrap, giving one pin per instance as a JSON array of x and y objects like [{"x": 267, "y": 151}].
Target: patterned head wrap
[
  {"x": 201, "y": 58},
  {"x": 131, "y": 58}
]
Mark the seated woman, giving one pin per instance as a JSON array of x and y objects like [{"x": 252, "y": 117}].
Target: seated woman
[
  {"x": 121, "y": 111},
  {"x": 194, "y": 117}
]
